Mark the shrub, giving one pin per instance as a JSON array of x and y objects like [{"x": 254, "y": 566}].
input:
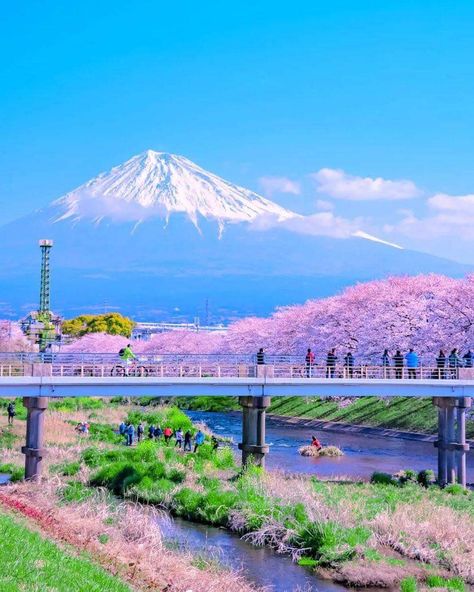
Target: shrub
[
  {"x": 330, "y": 542},
  {"x": 75, "y": 491},
  {"x": 451, "y": 584},
  {"x": 104, "y": 433},
  {"x": 426, "y": 477},
  {"x": 16, "y": 473},
  {"x": 91, "y": 456},
  {"x": 406, "y": 476},
  {"x": 186, "y": 503},
  {"x": 67, "y": 469},
  {"x": 456, "y": 489},
  {"x": 380, "y": 478},
  {"x": 408, "y": 585}
]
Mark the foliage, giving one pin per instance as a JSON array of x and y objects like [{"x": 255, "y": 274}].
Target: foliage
[
  {"x": 331, "y": 543},
  {"x": 69, "y": 404},
  {"x": 110, "y": 323},
  {"x": 456, "y": 489},
  {"x": 383, "y": 478},
  {"x": 408, "y": 585},
  {"x": 32, "y": 562},
  {"x": 426, "y": 477},
  {"x": 75, "y": 491},
  {"x": 16, "y": 473},
  {"x": 433, "y": 581},
  {"x": 217, "y": 404},
  {"x": 67, "y": 469}
]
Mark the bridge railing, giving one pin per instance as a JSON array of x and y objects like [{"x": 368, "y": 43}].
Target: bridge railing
[{"x": 207, "y": 366}]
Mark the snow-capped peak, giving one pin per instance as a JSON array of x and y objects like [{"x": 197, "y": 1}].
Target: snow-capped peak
[{"x": 158, "y": 183}]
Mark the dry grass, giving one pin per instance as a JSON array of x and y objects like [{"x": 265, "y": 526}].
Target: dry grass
[
  {"x": 331, "y": 451},
  {"x": 430, "y": 533},
  {"x": 131, "y": 547}
]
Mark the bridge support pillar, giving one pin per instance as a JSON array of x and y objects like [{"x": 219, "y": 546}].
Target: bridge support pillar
[
  {"x": 253, "y": 429},
  {"x": 34, "y": 450},
  {"x": 451, "y": 443}
]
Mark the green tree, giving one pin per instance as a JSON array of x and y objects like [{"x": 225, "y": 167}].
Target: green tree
[{"x": 112, "y": 323}]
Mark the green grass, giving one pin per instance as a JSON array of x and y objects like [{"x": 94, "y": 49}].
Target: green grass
[
  {"x": 16, "y": 473},
  {"x": 417, "y": 415},
  {"x": 208, "y": 403},
  {"x": 31, "y": 562}
]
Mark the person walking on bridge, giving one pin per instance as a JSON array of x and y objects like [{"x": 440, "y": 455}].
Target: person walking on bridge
[
  {"x": 349, "y": 364},
  {"x": 309, "y": 359},
  {"x": 468, "y": 358},
  {"x": 260, "y": 357},
  {"x": 454, "y": 361},
  {"x": 398, "y": 363},
  {"x": 386, "y": 363},
  {"x": 441, "y": 365},
  {"x": 331, "y": 360},
  {"x": 412, "y": 362}
]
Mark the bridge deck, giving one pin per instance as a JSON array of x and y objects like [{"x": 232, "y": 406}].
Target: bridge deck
[{"x": 129, "y": 386}]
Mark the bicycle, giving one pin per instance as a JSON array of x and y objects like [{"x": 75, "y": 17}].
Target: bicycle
[{"x": 134, "y": 370}]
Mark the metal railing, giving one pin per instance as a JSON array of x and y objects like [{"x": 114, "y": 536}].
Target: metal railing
[{"x": 208, "y": 366}]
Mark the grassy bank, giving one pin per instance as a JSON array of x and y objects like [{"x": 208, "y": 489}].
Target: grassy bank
[
  {"x": 374, "y": 534},
  {"x": 414, "y": 415},
  {"x": 356, "y": 530},
  {"x": 31, "y": 562}
]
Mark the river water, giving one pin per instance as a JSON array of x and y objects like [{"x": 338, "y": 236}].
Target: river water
[{"x": 363, "y": 454}]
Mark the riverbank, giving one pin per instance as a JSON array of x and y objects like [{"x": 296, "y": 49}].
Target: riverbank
[
  {"x": 337, "y": 427},
  {"x": 364, "y": 534},
  {"x": 406, "y": 416}
]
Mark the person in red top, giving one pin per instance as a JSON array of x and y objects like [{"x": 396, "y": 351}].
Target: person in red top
[
  {"x": 167, "y": 433},
  {"x": 316, "y": 442},
  {"x": 309, "y": 359}
]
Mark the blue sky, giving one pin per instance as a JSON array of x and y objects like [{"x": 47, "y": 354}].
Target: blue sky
[{"x": 252, "y": 91}]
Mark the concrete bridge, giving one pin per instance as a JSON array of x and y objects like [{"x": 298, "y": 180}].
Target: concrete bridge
[{"x": 39, "y": 377}]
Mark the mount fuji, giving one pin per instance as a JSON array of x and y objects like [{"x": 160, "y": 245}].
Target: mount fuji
[{"x": 158, "y": 236}]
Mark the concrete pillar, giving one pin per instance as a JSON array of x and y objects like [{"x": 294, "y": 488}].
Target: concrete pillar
[
  {"x": 441, "y": 443},
  {"x": 451, "y": 434},
  {"x": 462, "y": 447},
  {"x": 253, "y": 429},
  {"x": 34, "y": 451}
]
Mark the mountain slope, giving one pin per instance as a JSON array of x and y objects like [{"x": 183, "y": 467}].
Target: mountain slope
[
  {"x": 159, "y": 184},
  {"x": 159, "y": 233}
]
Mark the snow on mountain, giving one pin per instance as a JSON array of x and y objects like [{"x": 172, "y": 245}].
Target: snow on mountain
[
  {"x": 159, "y": 184},
  {"x": 370, "y": 237}
]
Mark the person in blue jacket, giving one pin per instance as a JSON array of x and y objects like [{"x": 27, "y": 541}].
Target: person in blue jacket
[
  {"x": 412, "y": 363},
  {"x": 198, "y": 440}
]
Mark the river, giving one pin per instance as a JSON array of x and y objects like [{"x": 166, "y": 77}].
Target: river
[{"x": 363, "y": 454}]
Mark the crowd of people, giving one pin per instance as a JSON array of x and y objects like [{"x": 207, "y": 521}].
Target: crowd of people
[
  {"x": 398, "y": 361},
  {"x": 183, "y": 440}
]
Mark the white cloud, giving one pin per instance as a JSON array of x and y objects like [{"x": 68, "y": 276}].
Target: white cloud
[
  {"x": 451, "y": 216},
  {"x": 324, "y": 206},
  {"x": 340, "y": 185},
  {"x": 319, "y": 224},
  {"x": 272, "y": 185}
]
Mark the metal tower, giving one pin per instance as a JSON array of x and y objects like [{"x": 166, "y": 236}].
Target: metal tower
[{"x": 44, "y": 303}]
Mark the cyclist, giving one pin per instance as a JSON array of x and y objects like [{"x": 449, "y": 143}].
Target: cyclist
[{"x": 126, "y": 355}]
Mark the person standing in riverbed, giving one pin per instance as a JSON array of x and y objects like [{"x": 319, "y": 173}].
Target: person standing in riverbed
[
  {"x": 151, "y": 431},
  {"x": 198, "y": 440},
  {"x": 179, "y": 438},
  {"x": 167, "y": 432},
  {"x": 157, "y": 433},
  {"x": 140, "y": 431},
  {"x": 130, "y": 434},
  {"x": 11, "y": 412},
  {"x": 187, "y": 441}
]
